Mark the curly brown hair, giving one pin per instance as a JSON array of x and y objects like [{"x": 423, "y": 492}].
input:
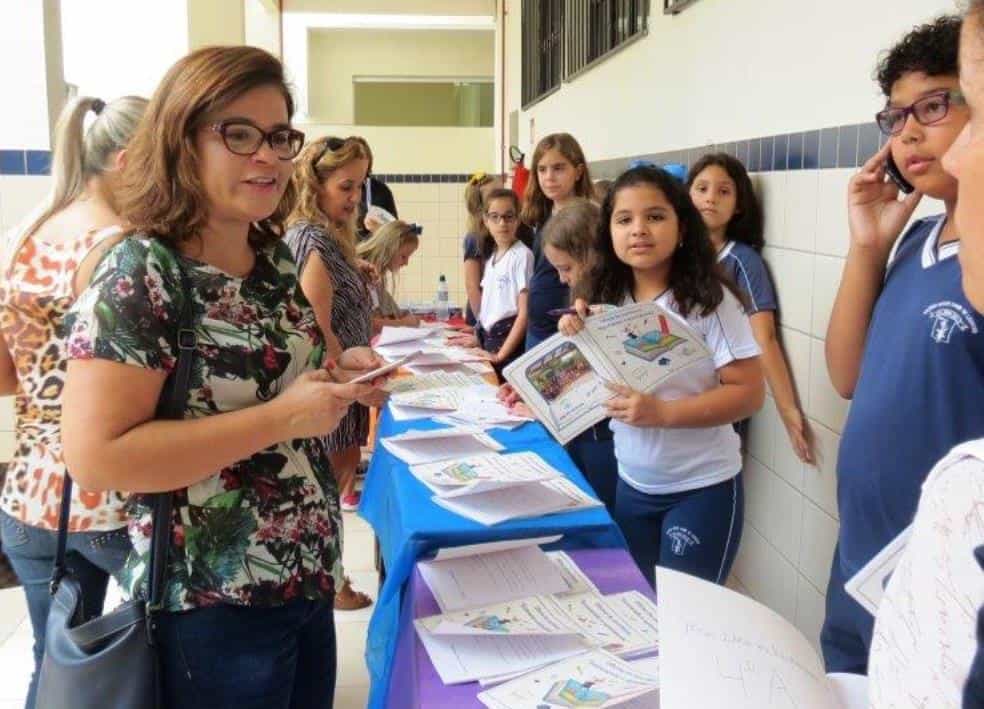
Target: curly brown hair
[
  {"x": 316, "y": 162},
  {"x": 161, "y": 193}
]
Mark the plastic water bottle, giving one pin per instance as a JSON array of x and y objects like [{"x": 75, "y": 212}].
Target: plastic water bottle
[{"x": 442, "y": 309}]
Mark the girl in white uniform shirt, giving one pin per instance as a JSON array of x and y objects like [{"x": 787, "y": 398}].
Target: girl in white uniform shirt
[
  {"x": 505, "y": 282},
  {"x": 679, "y": 499}
]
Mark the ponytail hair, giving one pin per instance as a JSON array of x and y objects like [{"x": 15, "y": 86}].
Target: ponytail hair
[
  {"x": 473, "y": 202},
  {"x": 81, "y": 153}
]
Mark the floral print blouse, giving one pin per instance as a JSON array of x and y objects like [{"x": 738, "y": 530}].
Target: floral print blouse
[{"x": 265, "y": 530}]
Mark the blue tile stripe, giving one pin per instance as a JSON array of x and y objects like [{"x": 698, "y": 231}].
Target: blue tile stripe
[{"x": 846, "y": 146}]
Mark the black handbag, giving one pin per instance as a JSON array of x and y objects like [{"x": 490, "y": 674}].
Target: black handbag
[{"x": 111, "y": 662}]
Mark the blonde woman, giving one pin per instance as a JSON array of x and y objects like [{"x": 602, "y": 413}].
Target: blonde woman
[
  {"x": 389, "y": 249},
  {"x": 48, "y": 262},
  {"x": 328, "y": 176}
]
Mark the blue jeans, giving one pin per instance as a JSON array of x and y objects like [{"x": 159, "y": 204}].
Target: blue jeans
[
  {"x": 238, "y": 657},
  {"x": 696, "y": 532},
  {"x": 92, "y": 558}
]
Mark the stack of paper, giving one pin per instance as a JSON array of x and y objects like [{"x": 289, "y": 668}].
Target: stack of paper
[
  {"x": 414, "y": 447},
  {"x": 503, "y": 639},
  {"x": 485, "y": 574},
  {"x": 433, "y": 380},
  {"x": 624, "y": 624},
  {"x": 483, "y": 473},
  {"x": 533, "y": 500},
  {"x": 592, "y": 679}
]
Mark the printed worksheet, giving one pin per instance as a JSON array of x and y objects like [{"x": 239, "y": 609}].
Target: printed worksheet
[
  {"x": 594, "y": 679},
  {"x": 624, "y": 624},
  {"x": 563, "y": 380},
  {"x": 533, "y": 615},
  {"x": 415, "y": 447},
  {"x": 494, "y": 471},
  {"x": 719, "y": 648},
  {"x": 533, "y": 500},
  {"x": 486, "y": 574}
]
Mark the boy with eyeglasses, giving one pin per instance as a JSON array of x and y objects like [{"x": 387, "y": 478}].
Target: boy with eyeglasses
[{"x": 903, "y": 342}]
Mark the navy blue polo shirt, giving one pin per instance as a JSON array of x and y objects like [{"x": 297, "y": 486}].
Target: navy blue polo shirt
[
  {"x": 546, "y": 293},
  {"x": 746, "y": 269},
  {"x": 920, "y": 393}
]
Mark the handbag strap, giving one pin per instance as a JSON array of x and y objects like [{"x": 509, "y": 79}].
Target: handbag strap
[{"x": 171, "y": 405}]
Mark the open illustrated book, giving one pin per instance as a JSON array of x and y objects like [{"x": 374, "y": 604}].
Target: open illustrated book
[
  {"x": 563, "y": 378},
  {"x": 719, "y": 648}
]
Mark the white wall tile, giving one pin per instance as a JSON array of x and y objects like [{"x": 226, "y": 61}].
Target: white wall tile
[
  {"x": 817, "y": 546},
  {"x": 810, "y": 611},
  {"x": 796, "y": 347},
  {"x": 755, "y": 478},
  {"x": 801, "y": 210},
  {"x": 772, "y": 194},
  {"x": 826, "y": 405},
  {"x": 827, "y": 272},
  {"x": 784, "y": 522},
  {"x": 762, "y": 433},
  {"x": 451, "y": 192},
  {"x": 768, "y": 577},
  {"x": 425, "y": 213},
  {"x": 820, "y": 481},
  {"x": 833, "y": 237},
  {"x": 791, "y": 270},
  {"x": 787, "y": 466},
  {"x": 7, "y": 413},
  {"x": 19, "y": 194}
]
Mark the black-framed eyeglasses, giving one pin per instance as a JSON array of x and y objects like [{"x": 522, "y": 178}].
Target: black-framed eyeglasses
[
  {"x": 927, "y": 111},
  {"x": 495, "y": 217},
  {"x": 243, "y": 138}
]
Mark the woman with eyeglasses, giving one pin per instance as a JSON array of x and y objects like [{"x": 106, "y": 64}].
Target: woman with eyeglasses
[
  {"x": 903, "y": 341},
  {"x": 328, "y": 178},
  {"x": 255, "y": 552}
]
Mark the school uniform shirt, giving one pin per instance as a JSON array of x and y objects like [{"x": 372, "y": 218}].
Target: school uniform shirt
[
  {"x": 924, "y": 641},
  {"x": 661, "y": 461},
  {"x": 505, "y": 277},
  {"x": 920, "y": 393},
  {"x": 546, "y": 293},
  {"x": 746, "y": 269},
  {"x": 472, "y": 249}
]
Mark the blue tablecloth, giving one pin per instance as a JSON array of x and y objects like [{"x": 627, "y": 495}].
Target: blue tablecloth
[{"x": 409, "y": 526}]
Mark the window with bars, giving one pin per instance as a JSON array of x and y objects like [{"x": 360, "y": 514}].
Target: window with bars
[
  {"x": 596, "y": 28},
  {"x": 543, "y": 36},
  {"x": 562, "y": 38}
]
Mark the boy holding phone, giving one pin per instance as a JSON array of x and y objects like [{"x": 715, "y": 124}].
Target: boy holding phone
[{"x": 903, "y": 342}]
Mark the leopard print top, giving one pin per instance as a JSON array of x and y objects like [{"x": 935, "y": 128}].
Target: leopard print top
[{"x": 33, "y": 303}]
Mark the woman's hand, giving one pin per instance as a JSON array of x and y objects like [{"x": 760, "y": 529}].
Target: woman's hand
[
  {"x": 462, "y": 339},
  {"x": 635, "y": 408},
  {"x": 507, "y": 395},
  {"x": 875, "y": 213},
  {"x": 368, "y": 271},
  {"x": 800, "y": 435},
  {"x": 313, "y": 404},
  {"x": 521, "y": 409},
  {"x": 360, "y": 359}
]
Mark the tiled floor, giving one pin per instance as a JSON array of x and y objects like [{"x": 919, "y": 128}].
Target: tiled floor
[{"x": 351, "y": 628}]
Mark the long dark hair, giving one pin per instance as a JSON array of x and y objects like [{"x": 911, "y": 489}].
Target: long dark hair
[
  {"x": 536, "y": 205},
  {"x": 746, "y": 223},
  {"x": 694, "y": 277}
]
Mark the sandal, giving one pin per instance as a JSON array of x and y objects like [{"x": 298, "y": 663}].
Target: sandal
[{"x": 348, "y": 599}]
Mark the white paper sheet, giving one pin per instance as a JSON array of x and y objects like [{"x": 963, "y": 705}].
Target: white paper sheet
[
  {"x": 414, "y": 447},
  {"x": 460, "y": 659},
  {"x": 487, "y": 579},
  {"x": 624, "y": 624},
  {"x": 594, "y": 679},
  {"x": 532, "y": 615},
  {"x": 385, "y": 369},
  {"x": 850, "y": 691},
  {"x": 576, "y": 579},
  {"x": 469, "y": 476},
  {"x": 533, "y": 500},
  {"x": 719, "y": 648},
  {"x": 394, "y": 335},
  {"x": 868, "y": 585},
  {"x": 447, "y": 553}
]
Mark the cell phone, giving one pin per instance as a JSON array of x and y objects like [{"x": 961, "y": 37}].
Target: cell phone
[{"x": 895, "y": 175}]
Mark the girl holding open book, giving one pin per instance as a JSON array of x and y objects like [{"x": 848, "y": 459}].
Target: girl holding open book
[{"x": 679, "y": 499}]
